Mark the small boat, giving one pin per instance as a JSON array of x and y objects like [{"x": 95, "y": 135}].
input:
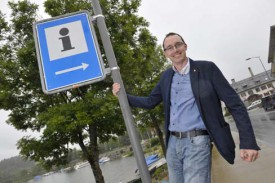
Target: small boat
[
  {"x": 37, "y": 178},
  {"x": 68, "y": 169},
  {"x": 153, "y": 162},
  {"x": 104, "y": 159},
  {"x": 151, "y": 159},
  {"x": 81, "y": 165},
  {"x": 47, "y": 174}
]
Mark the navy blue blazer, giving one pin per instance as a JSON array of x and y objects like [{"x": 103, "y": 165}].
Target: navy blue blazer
[{"x": 209, "y": 88}]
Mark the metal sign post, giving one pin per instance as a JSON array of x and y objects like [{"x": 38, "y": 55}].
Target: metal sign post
[
  {"x": 67, "y": 51},
  {"x": 127, "y": 114}
]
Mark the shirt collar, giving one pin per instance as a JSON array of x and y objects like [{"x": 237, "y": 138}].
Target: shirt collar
[{"x": 184, "y": 70}]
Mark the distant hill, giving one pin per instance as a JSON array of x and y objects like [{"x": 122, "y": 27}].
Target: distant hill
[{"x": 16, "y": 169}]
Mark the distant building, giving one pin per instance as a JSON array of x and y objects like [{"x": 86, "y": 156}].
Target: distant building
[{"x": 254, "y": 87}]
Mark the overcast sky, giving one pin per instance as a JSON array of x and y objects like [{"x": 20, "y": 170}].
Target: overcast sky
[{"x": 225, "y": 32}]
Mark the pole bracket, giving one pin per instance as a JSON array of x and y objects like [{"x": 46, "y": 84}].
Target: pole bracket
[
  {"x": 109, "y": 70},
  {"x": 97, "y": 16}
]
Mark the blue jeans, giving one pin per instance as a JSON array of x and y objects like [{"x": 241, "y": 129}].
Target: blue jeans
[{"x": 189, "y": 159}]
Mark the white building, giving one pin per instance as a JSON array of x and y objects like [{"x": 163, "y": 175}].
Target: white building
[{"x": 255, "y": 87}]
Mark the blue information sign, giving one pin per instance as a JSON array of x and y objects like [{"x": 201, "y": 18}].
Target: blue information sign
[{"x": 68, "y": 52}]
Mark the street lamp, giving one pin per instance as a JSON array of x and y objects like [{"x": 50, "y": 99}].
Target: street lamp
[{"x": 262, "y": 65}]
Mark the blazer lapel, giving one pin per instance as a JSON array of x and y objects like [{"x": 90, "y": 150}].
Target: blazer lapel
[
  {"x": 168, "y": 86},
  {"x": 194, "y": 78}
]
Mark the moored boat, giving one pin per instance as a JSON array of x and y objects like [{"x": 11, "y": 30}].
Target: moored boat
[
  {"x": 81, "y": 165},
  {"x": 104, "y": 159}
]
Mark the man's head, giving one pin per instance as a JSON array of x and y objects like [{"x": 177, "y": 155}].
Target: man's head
[
  {"x": 172, "y": 34},
  {"x": 174, "y": 48}
]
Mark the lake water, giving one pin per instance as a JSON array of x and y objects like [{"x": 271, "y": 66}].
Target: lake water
[{"x": 113, "y": 171}]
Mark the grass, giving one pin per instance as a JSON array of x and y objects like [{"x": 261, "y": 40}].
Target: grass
[{"x": 160, "y": 174}]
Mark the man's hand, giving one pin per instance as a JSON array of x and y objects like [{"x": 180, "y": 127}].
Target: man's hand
[
  {"x": 116, "y": 88},
  {"x": 249, "y": 155}
]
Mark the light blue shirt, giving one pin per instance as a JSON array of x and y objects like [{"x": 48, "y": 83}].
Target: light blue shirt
[{"x": 184, "y": 113}]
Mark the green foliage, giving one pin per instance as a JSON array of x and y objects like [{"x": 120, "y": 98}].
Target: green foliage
[
  {"x": 83, "y": 116},
  {"x": 154, "y": 142},
  {"x": 160, "y": 174},
  {"x": 3, "y": 26},
  {"x": 61, "y": 7}
]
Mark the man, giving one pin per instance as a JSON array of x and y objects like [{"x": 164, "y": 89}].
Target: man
[{"x": 192, "y": 92}]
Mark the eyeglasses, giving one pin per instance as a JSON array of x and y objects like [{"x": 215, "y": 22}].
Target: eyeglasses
[{"x": 176, "y": 46}]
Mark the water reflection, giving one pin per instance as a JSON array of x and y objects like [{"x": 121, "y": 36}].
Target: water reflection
[{"x": 113, "y": 172}]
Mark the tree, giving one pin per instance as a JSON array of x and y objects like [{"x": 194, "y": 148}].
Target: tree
[{"x": 85, "y": 116}]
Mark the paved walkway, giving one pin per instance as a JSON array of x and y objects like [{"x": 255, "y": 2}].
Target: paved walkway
[{"x": 260, "y": 171}]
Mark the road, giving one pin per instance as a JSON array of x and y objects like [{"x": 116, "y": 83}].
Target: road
[
  {"x": 260, "y": 171},
  {"x": 263, "y": 124}
]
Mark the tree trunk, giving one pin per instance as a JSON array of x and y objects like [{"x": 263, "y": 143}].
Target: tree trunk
[
  {"x": 92, "y": 154},
  {"x": 96, "y": 169}
]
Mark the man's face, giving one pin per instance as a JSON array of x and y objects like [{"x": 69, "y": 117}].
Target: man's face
[{"x": 175, "y": 49}]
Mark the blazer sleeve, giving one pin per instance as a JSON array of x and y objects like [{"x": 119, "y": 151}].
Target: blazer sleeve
[
  {"x": 148, "y": 102},
  {"x": 236, "y": 107}
]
